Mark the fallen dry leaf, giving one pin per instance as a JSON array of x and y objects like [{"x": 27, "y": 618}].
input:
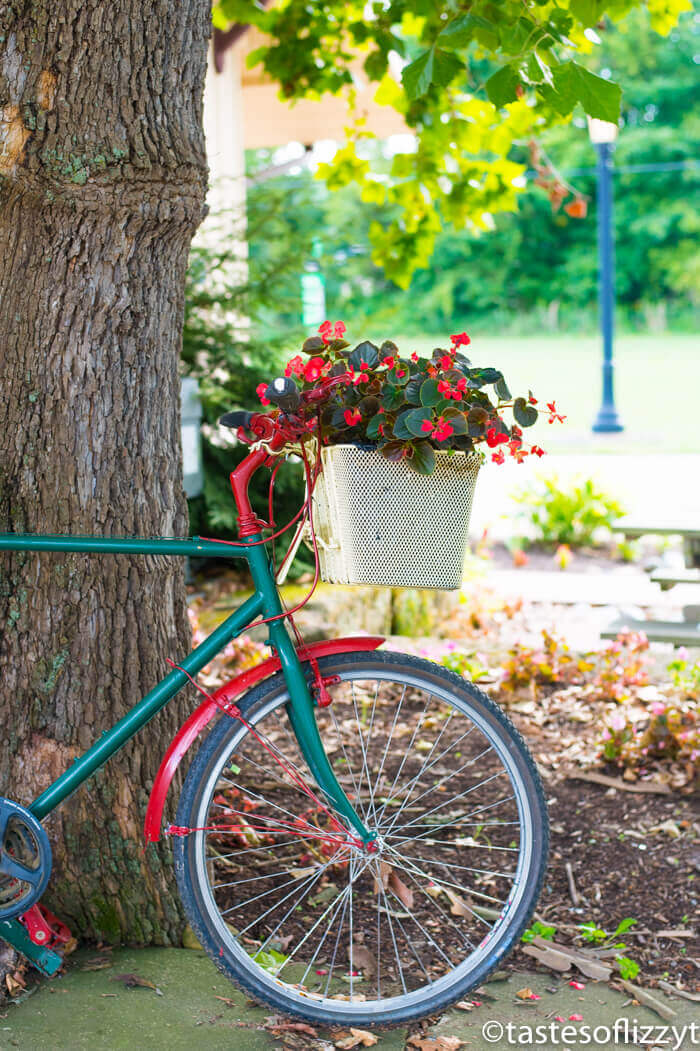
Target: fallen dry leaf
[
  {"x": 436, "y": 1043},
  {"x": 385, "y": 871},
  {"x": 98, "y": 963},
  {"x": 135, "y": 981},
  {"x": 402, "y": 892},
  {"x": 363, "y": 960},
  {"x": 290, "y": 1027},
  {"x": 13, "y": 986},
  {"x": 458, "y": 906},
  {"x": 356, "y": 1038},
  {"x": 525, "y": 994}
]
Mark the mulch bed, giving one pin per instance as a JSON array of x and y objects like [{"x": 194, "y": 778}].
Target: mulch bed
[{"x": 622, "y": 869}]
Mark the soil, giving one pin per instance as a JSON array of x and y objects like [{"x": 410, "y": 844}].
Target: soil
[{"x": 622, "y": 869}]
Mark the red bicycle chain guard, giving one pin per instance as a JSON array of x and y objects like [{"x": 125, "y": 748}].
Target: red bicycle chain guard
[{"x": 44, "y": 928}]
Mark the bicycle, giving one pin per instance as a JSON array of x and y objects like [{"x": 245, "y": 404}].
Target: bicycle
[{"x": 361, "y": 837}]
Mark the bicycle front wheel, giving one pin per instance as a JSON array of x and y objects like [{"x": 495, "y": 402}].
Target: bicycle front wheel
[{"x": 292, "y": 908}]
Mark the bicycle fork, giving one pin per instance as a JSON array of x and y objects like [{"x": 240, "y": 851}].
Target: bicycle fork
[{"x": 300, "y": 707}]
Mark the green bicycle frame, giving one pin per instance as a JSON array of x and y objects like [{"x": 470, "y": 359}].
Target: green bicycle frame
[{"x": 264, "y": 602}]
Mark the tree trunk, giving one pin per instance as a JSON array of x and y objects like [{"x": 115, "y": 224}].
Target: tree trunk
[{"x": 102, "y": 183}]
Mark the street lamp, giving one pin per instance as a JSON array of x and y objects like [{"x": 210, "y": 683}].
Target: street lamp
[{"x": 603, "y": 134}]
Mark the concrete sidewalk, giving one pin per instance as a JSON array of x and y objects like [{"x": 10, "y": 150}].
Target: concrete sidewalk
[{"x": 94, "y": 1009}]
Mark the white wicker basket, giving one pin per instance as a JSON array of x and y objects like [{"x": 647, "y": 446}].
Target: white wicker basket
[{"x": 382, "y": 523}]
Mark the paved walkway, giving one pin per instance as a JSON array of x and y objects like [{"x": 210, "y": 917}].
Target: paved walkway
[{"x": 93, "y": 1009}]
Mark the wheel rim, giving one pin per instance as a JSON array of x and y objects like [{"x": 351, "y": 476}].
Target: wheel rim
[{"x": 368, "y": 933}]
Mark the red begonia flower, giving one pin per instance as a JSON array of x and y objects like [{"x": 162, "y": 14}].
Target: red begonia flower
[
  {"x": 460, "y": 340},
  {"x": 313, "y": 369},
  {"x": 295, "y": 365},
  {"x": 352, "y": 417},
  {"x": 260, "y": 391}
]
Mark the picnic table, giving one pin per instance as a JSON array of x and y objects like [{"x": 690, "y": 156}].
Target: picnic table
[{"x": 680, "y": 633}]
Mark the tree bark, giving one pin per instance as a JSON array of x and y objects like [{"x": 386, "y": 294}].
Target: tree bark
[{"x": 102, "y": 183}]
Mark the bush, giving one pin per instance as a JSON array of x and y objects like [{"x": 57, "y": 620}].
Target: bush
[
  {"x": 227, "y": 349},
  {"x": 575, "y": 515}
]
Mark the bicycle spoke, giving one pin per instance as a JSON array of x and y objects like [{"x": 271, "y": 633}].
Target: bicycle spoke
[
  {"x": 448, "y": 802},
  {"x": 348, "y": 765},
  {"x": 438, "y": 785},
  {"x": 319, "y": 922},
  {"x": 425, "y": 768},
  {"x": 407, "y": 752},
  {"x": 410, "y": 872},
  {"x": 437, "y": 880}
]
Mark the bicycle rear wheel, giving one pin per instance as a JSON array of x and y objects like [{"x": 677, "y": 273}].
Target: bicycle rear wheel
[{"x": 290, "y": 906}]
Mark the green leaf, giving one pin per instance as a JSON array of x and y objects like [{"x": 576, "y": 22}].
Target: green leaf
[
  {"x": 270, "y": 960},
  {"x": 460, "y": 31},
  {"x": 393, "y": 377},
  {"x": 478, "y": 377},
  {"x": 431, "y": 67},
  {"x": 414, "y": 420},
  {"x": 364, "y": 353},
  {"x": 572, "y": 83},
  {"x": 523, "y": 413},
  {"x": 412, "y": 390},
  {"x": 401, "y": 429},
  {"x": 628, "y": 968},
  {"x": 588, "y": 12},
  {"x": 423, "y": 458},
  {"x": 458, "y": 421},
  {"x": 501, "y": 86},
  {"x": 418, "y": 75},
  {"x": 501, "y": 388},
  {"x": 393, "y": 398},
  {"x": 429, "y": 393},
  {"x": 374, "y": 425},
  {"x": 624, "y": 925}
]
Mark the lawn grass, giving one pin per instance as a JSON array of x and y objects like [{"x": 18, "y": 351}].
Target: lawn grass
[{"x": 657, "y": 383}]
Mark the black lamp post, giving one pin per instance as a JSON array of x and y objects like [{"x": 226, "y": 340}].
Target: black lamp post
[{"x": 603, "y": 134}]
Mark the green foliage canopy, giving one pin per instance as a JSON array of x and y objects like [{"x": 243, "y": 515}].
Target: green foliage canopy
[{"x": 477, "y": 77}]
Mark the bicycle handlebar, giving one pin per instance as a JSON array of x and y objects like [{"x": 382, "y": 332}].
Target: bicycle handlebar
[{"x": 286, "y": 396}]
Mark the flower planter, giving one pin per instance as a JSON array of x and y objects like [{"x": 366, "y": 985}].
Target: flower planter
[{"x": 379, "y": 522}]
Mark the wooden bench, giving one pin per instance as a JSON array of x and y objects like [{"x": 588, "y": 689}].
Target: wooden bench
[
  {"x": 678, "y": 632},
  {"x": 685, "y": 526},
  {"x": 668, "y": 578}
]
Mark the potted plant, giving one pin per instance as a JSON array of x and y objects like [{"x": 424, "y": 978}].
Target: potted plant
[{"x": 402, "y": 441}]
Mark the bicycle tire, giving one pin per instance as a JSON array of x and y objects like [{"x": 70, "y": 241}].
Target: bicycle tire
[{"x": 228, "y": 738}]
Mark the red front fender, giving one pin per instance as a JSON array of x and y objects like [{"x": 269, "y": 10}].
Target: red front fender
[{"x": 209, "y": 708}]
